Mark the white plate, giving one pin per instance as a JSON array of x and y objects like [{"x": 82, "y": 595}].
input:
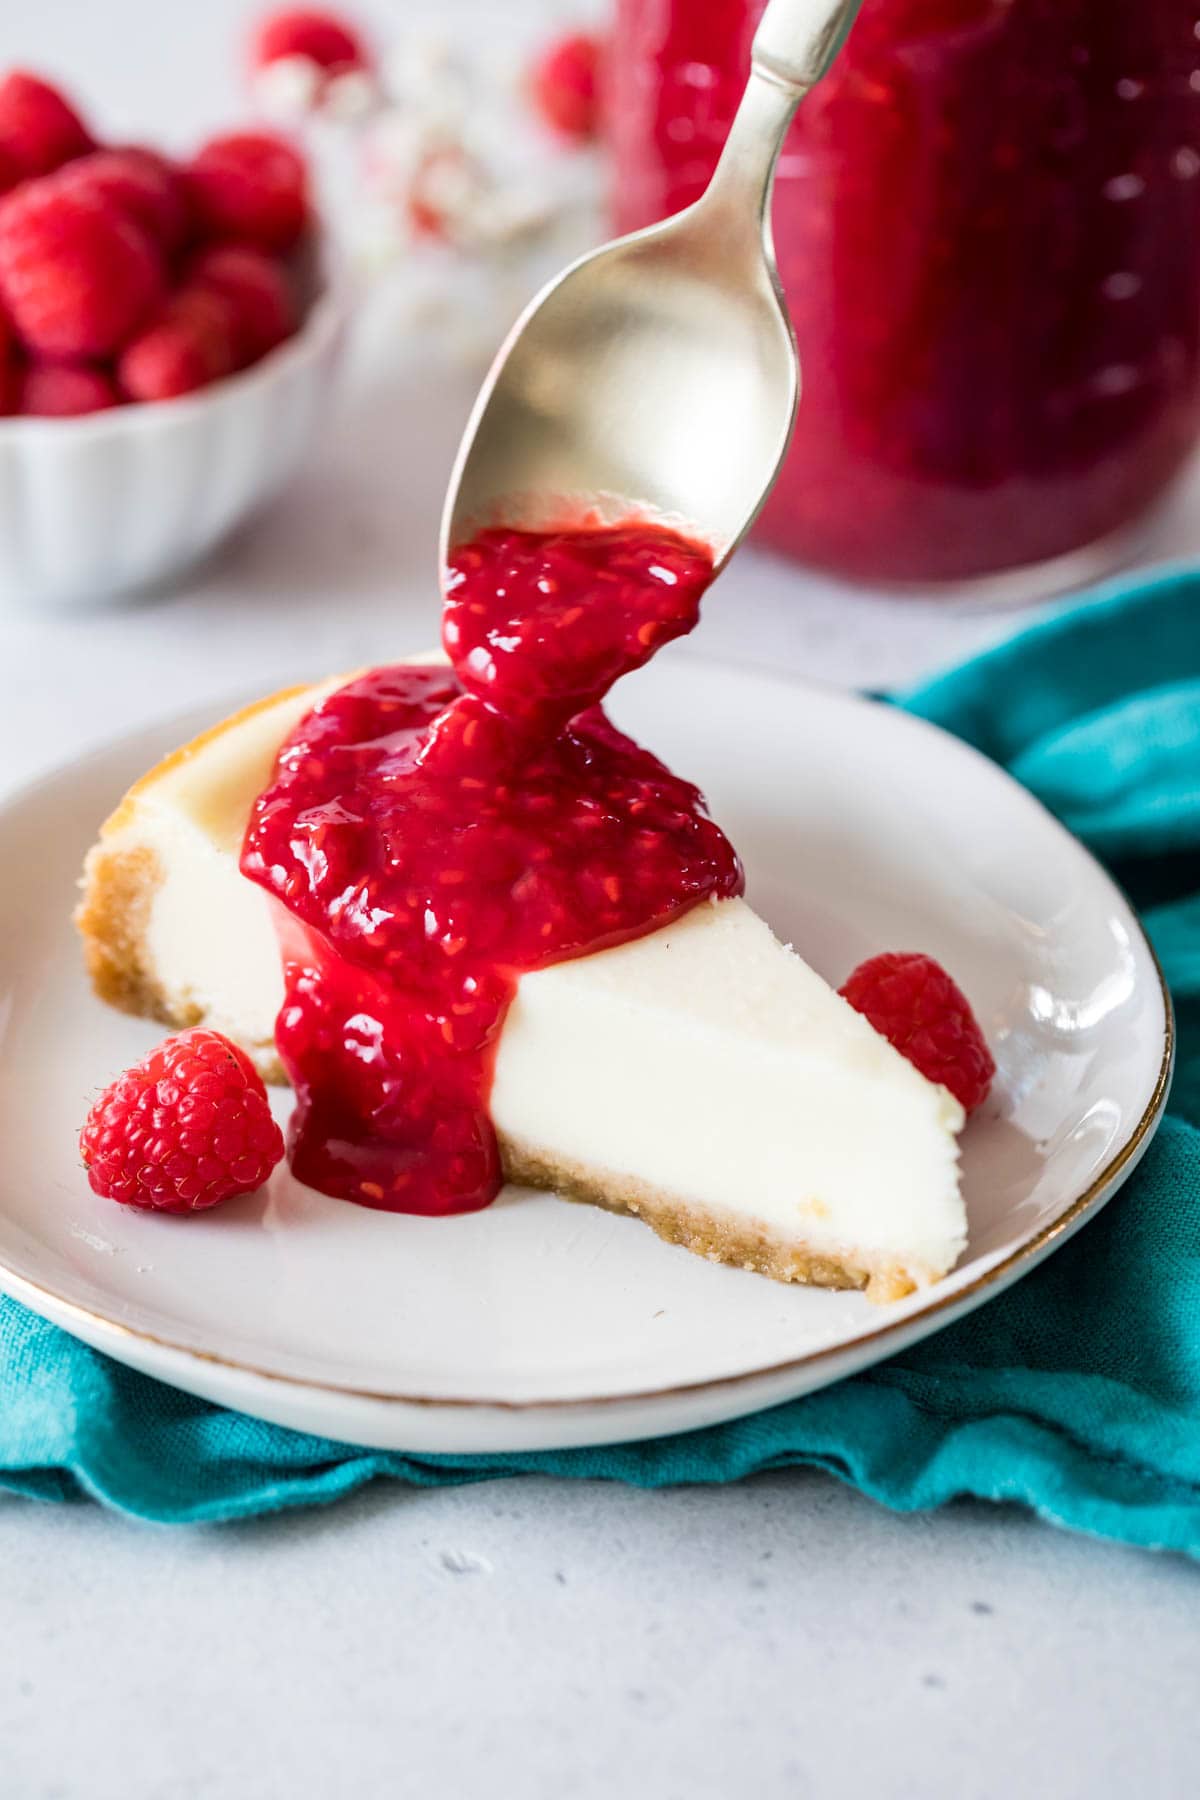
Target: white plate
[{"x": 537, "y": 1324}]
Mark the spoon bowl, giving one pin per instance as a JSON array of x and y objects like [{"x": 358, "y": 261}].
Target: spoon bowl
[
  {"x": 609, "y": 390},
  {"x": 658, "y": 375}
]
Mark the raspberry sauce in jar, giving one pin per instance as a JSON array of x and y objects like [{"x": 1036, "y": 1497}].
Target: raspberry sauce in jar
[{"x": 987, "y": 219}]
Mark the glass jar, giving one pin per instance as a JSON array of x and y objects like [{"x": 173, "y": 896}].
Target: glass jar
[{"x": 987, "y": 219}]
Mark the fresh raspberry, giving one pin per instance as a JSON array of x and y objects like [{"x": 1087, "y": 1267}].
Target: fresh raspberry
[
  {"x": 63, "y": 390},
  {"x": 319, "y": 37},
  {"x": 39, "y": 129},
  {"x": 250, "y": 185},
  {"x": 77, "y": 277},
  {"x": 564, "y": 84},
  {"x": 190, "y": 344},
  {"x": 184, "y": 1129},
  {"x": 139, "y": 184},
  {"x": 912, "y": 1001},
  {"x": 257, "y": 289}
]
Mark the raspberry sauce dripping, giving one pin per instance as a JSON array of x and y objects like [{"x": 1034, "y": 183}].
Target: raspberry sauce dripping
[{"x": 433, "y": 834}]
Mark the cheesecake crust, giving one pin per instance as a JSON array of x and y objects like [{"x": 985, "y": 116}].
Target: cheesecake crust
[
  {"x": 719, "y": 1237},
  {"x": 112, "y": 918}
]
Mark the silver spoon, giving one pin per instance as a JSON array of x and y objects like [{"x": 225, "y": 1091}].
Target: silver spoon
[{"x": 659, "y": 373}]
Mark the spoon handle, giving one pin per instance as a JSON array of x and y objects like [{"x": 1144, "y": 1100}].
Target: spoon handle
[
  {"x": 794, "y": 45},
  {"x": 797, "y": 40}
]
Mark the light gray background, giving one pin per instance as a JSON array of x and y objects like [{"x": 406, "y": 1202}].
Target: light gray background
[{"x": 783, "y": 1637}]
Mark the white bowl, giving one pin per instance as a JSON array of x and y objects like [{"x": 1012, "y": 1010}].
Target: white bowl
[{"x": 97, "y": 507}]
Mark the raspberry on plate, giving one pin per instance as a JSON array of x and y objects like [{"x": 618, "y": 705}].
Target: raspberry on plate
[
  {"x": 250, "y": 185},
  {"x": 913, "y": 1003},
  {"x": 64, "y": 390},
  {"x": 184, "y": 1129},
  {"x": 138, "y": 183},
  {"x": 76, "y": 276},
  {"x": 39, "y": 129},
  {"x": 258, "y": 290},
  {"x": 190, "y": 343},
  {"x": 563, "y": 84},
  {"x": 322, "y": 38}
]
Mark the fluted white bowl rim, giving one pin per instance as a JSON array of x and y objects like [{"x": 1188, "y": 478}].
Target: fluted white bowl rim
[{"x": 318, "y": 330}]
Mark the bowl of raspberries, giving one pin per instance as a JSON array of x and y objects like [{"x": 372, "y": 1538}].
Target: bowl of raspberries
[{"x": 168, "y": 328}]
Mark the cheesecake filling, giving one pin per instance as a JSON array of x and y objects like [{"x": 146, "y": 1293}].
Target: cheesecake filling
[{"x": 431, "y": 835}]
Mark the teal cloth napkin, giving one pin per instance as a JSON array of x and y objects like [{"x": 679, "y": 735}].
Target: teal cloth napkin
[{"x": 1076, "y": 1393}]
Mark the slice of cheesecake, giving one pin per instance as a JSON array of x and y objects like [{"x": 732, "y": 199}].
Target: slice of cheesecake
[{"x": 702, "y": 1077}]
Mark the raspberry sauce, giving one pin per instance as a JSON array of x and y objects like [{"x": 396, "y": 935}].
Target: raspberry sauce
[{"x": 434, "y": 833}]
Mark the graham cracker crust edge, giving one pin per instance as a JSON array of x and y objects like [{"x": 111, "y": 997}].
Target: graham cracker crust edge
[
  {"x": 112, "y": 918},
  {"x": 718, "y": 1237}
]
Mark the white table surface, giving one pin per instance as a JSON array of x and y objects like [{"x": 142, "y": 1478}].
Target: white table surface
[{"x": 781, "y": 1637}]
